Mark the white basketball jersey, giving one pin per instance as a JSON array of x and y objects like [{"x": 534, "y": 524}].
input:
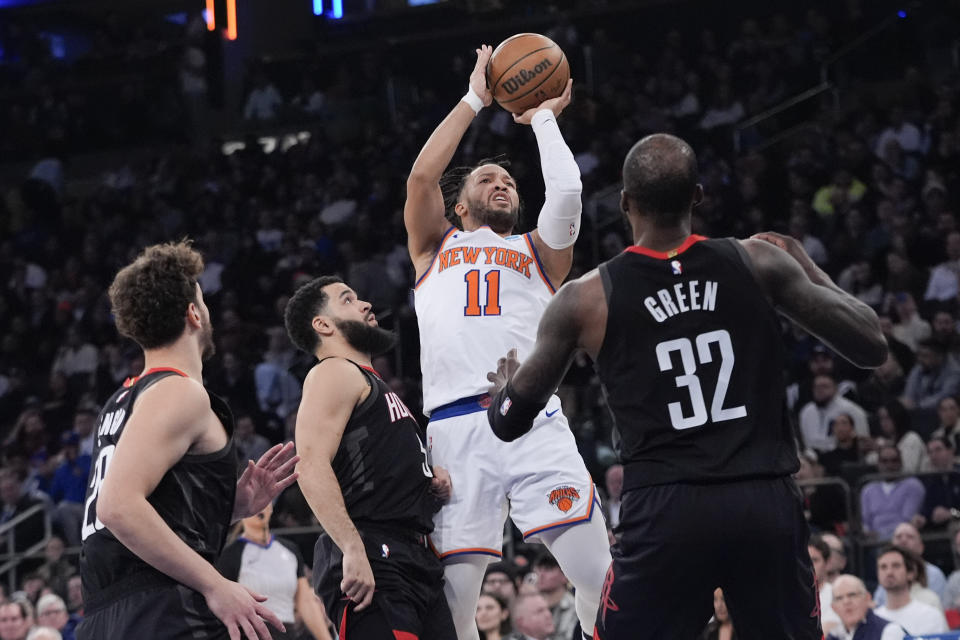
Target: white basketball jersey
[{"x": 482, "y": 296}]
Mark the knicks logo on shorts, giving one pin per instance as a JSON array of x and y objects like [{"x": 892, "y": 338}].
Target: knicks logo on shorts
[{"x": 564, "y": 498}]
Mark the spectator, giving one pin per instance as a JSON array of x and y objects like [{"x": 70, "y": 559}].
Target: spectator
[
  {"x": 16, "y": 619},
  {"x": 493, "y": 616},
  {"x": 84, "y": 421},
  {"x": 56, "y": 569},
  {"x": 905, "y": 133},
  {"x": 44, "y": 633},
  {"x": 816, "y": 415},
  {"x": 613, "y": 479},
  {"x": 555, "y": 590},
  {"x": 799, "y": 229},
  {"x": 264, "y": 100},
  {"x": 886, "y": 503},
  {"x": 29, "y": 531},
  {"x": 500, "y": 579},
  {"x": 824, "y": 505},
  {"x": 948, "y": 416},
  {"x": 820, "y": 363},
  {"x": 75, "y": 595},
  {"x": 895, "y": 429},
  {"x": 850, "y": 449},
  {"x": 721, "y": 627},
  {"x": 250, "y": 444},
  {"x": 68, "y": 489},
  {"x": 852, "y": 604},
  {"x": 819, "y": 555},
  {"x": 910, "y": 328},
  {"x": 52, "y": 612},
  {"x": 531, "y": 618},
  {"x": 951, "y": 593},
  {"x": 944, "y": 282},
  {"x": 907, "y": 537},
  {"x": 77, "y": 359},
  {"x": 837, "y": 561},
  {"x": 837, "y": 196},
  {"x": 933, "y": 378},
  {"x": 897, "y": 570},
  {"x": 944, "y": 331},
  {"x": 942, "y": 490}
]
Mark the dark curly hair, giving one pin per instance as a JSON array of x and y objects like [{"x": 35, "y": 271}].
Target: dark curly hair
[
  {"x": 302, "y": 308},
  {"x": 453, "y": 181},
  {"x": 150, "y": 296}
]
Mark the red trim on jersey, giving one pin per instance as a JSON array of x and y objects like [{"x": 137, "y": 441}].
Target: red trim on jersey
[
  {"x": 371, "y": 370},
  {"x": 129, "y": 382},
  {"x": 691, "y": 240},
  {"x": 342, "y": 632},
  {"x": 404, "y": 635}
]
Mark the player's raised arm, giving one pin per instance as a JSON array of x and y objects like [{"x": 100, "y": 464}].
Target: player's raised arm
[
  {"x": 330, "y": 394},
  {"x": 558, "y": 225},
  {"x": 576, "y": 318},
  {"x": 807, "y": 295},
  {"x": 423, "y": 212}
]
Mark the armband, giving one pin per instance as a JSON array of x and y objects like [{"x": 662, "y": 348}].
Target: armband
[{"x": 511, "y": 415}]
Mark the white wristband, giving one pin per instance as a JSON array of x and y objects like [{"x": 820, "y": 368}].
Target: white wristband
[{"x": 472, "y": 99}]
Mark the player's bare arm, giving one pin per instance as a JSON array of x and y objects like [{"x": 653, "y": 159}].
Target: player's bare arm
[
  {"x": 169, "y": 420},
  {"x": 575, "y": 319},
  {"x": 805, "y": 294},
  {"x": 423, "y": 212},
  {"x": 331, "y": 392},
  {"x": 559, "y": 222},
  {"x": 308, "y": 607}
]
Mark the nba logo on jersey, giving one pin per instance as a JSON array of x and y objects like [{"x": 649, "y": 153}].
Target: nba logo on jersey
[{"x": 676, "y": 267}]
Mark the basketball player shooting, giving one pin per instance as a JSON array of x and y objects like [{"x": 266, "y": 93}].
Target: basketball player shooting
[
  {"x": 481, "y": 291},
  {"x": 686, "y": 337}
]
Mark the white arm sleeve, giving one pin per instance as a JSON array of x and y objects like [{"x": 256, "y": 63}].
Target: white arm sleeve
[{"x": 559, "y": 221}]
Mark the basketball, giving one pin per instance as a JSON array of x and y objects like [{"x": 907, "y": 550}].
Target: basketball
[{"x": 526, "y": 69}]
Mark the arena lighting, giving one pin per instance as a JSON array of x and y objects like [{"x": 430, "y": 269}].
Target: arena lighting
[
  {"x": 337, "y": 9},
  {"x": 209, "y": 16},
  {"x": 231, "y": 19},
  {"x": 902, "y": 13},
  {"x": 318, "y": 7}
]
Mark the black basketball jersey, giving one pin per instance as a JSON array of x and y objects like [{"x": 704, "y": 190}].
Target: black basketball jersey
[
  {"x": 195, "y": 498},
  {"x": 381, "y": 464},
  {"x": 692, "y": 364}
]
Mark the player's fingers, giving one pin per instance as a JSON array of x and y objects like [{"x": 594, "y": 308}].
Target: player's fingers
[
  {"x": 233, "y": 631},
  {"x": 256, "y": 596},
  {"x": 287, "y": 466},
  {"x": 568, "y": 91},
  {"x": 491, "y": 376},
  {"x": 282, "y": 456},
  {"x": 366, "y": 599},
  {"x": 248, "y": 630},
  {"x": 270, "y": 617},
  {"x": 286, "y": 482},
  {"x": 512, "y": 353}
]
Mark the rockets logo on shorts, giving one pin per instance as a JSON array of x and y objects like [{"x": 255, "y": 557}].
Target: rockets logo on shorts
[{"x": 564, "y": 497}]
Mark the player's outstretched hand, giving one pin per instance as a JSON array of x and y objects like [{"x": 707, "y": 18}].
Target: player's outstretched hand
[
  {"x": 241, "y": 611},
  {"x": 506, "y": 367},
  {"x": 441, "y": 486},
  {"x": 357, "y": 584},
  {"x": 265, "y": 480},
  {"x": 478, "y": 77},
  {"x": 556, "y": 105}
]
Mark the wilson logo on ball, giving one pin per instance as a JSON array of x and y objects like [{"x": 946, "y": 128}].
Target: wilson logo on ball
[
  {"x": 563, "y": 498},
  {"x": 510, "y": 85}
]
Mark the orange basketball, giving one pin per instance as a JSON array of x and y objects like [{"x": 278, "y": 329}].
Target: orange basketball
[
  {"x": 525, "y": 70},
  {"x": 564, "y": 504}
]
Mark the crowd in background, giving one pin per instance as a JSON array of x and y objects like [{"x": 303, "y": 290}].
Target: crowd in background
[{"x": 868, "y": 180}]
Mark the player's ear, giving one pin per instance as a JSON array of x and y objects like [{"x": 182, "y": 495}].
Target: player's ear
[
  {"x": 698, "y": 194},
  {"x": 193, "y": 315},
  {"x": 460, "y": 209},
  {"x": 323, "y": 325},
  {"x": 624, "y": 203}
]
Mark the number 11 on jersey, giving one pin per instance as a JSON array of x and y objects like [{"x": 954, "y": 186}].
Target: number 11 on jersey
[{"x": 492, "y": 306}]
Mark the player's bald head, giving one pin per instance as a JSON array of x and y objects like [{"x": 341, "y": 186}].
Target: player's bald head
[{"x": 660, "y": 178}]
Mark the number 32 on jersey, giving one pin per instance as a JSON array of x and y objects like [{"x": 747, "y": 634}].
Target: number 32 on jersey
[{"x": 691, "y": 381}]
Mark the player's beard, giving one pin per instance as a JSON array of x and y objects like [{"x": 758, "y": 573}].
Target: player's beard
[
  {"x": 365, "y": 337},
  {"x": 499, "y": 220},
  {"x": 207, "y": 346}
]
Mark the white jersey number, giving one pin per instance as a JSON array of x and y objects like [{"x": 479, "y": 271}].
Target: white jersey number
[
  {"x": 91, "y": 523},
  {"x": 691, "y": 381}
]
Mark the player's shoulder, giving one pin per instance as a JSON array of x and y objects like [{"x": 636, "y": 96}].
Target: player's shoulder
[
  {"x": 334, "y": 373},
  {"x": 175, "y": 391},
  {"x": 582, "y": 293}
]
